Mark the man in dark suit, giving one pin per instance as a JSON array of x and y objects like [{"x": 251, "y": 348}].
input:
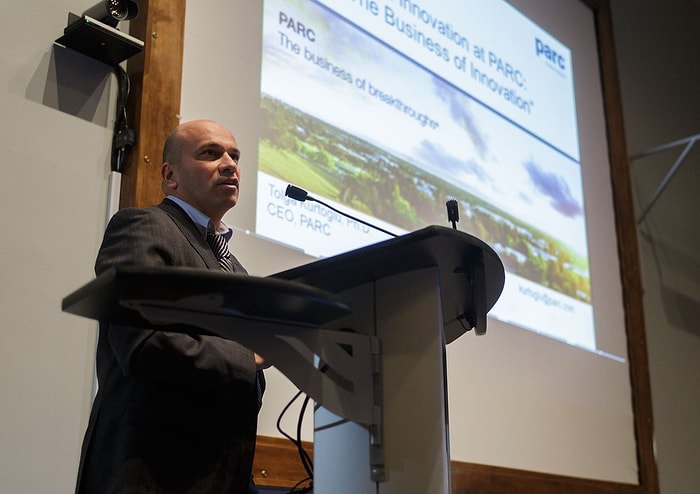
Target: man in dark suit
[{"x": 174, "y": 412}]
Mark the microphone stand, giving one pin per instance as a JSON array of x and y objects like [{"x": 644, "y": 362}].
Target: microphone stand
[{"x": 299, "y": 194}]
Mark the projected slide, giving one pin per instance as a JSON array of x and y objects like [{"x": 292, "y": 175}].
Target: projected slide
[{"x": 388, "y": 108}]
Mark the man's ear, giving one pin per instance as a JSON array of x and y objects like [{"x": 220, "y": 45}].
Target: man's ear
[{"x": 168, "y": 174}]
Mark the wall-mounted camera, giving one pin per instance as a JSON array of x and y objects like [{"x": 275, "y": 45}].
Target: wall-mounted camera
[{"x": 95, "y": 33}]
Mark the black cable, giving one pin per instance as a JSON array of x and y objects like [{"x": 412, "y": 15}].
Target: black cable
[
  {"x": 306, "y": 461},
  {"x": 303, "y": 455},
  {"x": 123, "y": 138},
  {"x": 282, "y": 413},
  {"x": 297, "y": 490}
]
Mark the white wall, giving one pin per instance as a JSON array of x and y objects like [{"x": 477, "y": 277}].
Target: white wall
[
  {"x": 660, "y": 78},
  {"x": 55, "y": 133}
]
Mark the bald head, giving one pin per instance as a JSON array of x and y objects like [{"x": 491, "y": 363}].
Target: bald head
[{"x": 173, "y": 146}]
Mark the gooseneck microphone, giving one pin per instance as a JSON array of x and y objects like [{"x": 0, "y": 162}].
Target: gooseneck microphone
[
  {"x": 299, "y": 194},
  {"x": 452, "y": 212}
]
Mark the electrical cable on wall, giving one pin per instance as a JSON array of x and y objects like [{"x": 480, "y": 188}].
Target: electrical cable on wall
[{"x": 123, "y": 137}]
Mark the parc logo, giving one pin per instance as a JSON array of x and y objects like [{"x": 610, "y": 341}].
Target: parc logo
[{"x": 542, "y": 49}]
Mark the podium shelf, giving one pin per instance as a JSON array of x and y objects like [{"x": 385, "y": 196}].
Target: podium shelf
[{"x": 112, "y": 295}]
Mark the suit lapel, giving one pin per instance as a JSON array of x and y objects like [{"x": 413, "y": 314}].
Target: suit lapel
[
  {"x": 195, "y": 237},
  {"x": 191, "y": 232}
]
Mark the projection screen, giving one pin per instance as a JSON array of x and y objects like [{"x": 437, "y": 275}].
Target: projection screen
[{"x": 385, "y": 109}]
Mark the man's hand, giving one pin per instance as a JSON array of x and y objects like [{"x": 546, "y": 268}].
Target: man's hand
[{"x": 260, "y": 363}]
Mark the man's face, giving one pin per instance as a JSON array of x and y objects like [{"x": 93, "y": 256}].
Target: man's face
[{"x": 207, "y": 175}]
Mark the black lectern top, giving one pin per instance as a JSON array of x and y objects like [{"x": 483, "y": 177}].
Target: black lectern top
[{"x": 471, "y": 273}]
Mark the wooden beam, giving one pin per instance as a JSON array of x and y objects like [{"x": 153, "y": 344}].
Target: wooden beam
[
  {"x": 628, "y": 253},
  {"x": 154, "y": 103}
]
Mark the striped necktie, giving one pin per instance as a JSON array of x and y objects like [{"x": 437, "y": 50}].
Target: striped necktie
[{"x": 220, "y": 247}]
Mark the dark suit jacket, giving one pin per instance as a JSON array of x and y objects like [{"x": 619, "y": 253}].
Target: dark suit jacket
[{"x": 174, "y": 413}]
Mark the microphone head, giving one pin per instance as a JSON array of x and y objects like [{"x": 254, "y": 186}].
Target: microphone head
[
  {"x": 296, "y": 193},
  {"x": 452, "y": 210}
]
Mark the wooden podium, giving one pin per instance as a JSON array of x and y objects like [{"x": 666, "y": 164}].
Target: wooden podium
[{"x": 362, "y": 333}]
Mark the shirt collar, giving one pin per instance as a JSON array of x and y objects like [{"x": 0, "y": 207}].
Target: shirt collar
[{"x": 202, "y": 220}]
